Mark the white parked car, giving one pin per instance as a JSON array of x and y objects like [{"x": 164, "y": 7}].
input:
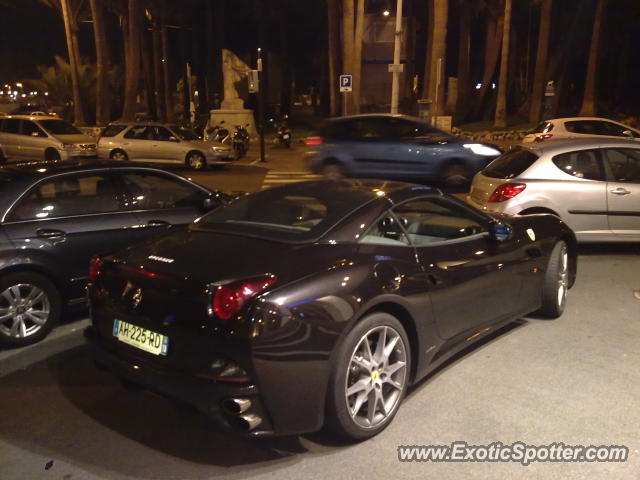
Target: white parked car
[{"x": 580, "y": 127}]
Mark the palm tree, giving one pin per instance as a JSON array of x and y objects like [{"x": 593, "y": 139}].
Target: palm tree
[
  {"x": 348, "y": 18},
  {"x": 103, "y": 103},
  {"x": 501, "y": 108},
  {"x": 437, "y": 55},
  {"x": 132, "y": 36},
  {"x": 539, "y": 77},
  {"x": 333, "y": 34},
  {"x": 357, "y": 56},
  {"x": 70, "y": 11},
  {"x": 588, "y": 101}
]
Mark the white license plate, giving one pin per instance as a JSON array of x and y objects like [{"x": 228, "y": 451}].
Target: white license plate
[
  {"x": 141, "y": 338},
  {"x": 285, "y": 136}
]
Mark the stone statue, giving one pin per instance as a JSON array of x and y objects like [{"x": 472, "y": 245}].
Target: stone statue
[{"x": 233, "y": 70}]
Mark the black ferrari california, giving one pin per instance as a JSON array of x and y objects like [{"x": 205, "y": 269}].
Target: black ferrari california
[{"x": 317, "y": 304}]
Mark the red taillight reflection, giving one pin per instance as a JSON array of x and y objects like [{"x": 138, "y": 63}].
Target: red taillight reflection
[
  {"x": 94, "y": 268},
  {"x": 229, "y": 299},
  {"x": 314, "y": 141},
  {"x": 546, "y": 136},
  {"x": 506, "y": 191}
]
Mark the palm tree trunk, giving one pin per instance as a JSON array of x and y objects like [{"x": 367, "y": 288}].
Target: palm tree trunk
[
  {"x": 542, "y": 55},
  {"x": 347, "y": 48},
  {"x": 132, "y": 53},
  {"x": 357, "y": 57},
  {"x": 158, "y": 93},
  {"x": 102, "y": 64},
  {"x": 73, "y": 62},
  {"x": 438, "y": 56},
  {"x": 464, "y": 63},
  {"x": 166, "y": 80},
  {"x": 589, "y": 100},
  {"x": 333, "y": 34},
  {"x": 503, "y": 87}
]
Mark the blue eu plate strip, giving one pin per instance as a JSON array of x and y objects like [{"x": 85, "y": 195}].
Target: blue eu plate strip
[{"x": 115, "y": 327}]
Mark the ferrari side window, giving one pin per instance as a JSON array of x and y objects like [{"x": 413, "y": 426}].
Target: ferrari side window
[
  {"x": 386, "y": 232},
  {"x": 437, "y": 220}
]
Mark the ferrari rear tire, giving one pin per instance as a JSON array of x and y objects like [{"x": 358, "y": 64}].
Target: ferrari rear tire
[
  {"x": 556, "y": 282},
  {"x": 369, "y": 378}
]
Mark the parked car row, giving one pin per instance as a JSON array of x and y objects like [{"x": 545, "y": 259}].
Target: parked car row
[{"x": 35, "y": 137}]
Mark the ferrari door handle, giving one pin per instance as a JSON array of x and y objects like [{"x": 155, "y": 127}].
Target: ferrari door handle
[
  {"x": 50, "y": 233},
  {"x": 158, "y": 223},
  {"x": 620, "y": 191}
]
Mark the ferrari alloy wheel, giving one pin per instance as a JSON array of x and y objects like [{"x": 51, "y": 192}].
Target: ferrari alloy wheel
[
  {"x": 29, "y": 308},
  {"x": 196, "y": 161},
  {"x": 371, "y": 377},
  {"x": 556, "y": 283}
]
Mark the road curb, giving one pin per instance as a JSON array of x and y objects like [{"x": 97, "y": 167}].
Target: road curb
[{"x": 63, "y": 338}]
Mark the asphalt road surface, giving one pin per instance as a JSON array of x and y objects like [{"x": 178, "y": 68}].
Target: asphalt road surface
[{"x": 575, "y": 380}]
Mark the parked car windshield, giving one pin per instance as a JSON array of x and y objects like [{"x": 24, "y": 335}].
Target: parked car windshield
[
  {"x": 510, "y": 164},
  {"x": 184, "y": 133},
  {"x": 292, "y": 213},
  {"x": 59, "y": 127}
]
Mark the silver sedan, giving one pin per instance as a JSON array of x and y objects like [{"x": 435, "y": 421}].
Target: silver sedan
[
  {"x": 593, "y": 185},
  {"x": 159, "y": 143}
]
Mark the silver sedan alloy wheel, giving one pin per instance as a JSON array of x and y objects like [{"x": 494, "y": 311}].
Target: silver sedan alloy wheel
[
  {"x": 376, "y": 377},
  {"x": 24, "y": 309},
  {"x": 119, "y": 156},
  {"x": 196, "y": 161}
]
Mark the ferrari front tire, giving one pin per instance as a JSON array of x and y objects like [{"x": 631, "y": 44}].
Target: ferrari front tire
[
  {"x": 556, "y": 282},
  {"x": 370, "y": 378}
]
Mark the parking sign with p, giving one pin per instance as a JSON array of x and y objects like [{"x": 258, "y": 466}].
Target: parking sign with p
[{"x": 346, "y": 84}]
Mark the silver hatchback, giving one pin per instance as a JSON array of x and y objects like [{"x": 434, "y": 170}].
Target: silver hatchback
[
  {"x": 38, "y": 137},
  {"x": 160, "y": 143},
  {"x": 593, "y": 185}
]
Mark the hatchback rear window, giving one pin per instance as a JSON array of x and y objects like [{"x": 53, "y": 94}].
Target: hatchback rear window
[
  {"x": 113, "y": 130},
  {"x": 510, "y": 164}
]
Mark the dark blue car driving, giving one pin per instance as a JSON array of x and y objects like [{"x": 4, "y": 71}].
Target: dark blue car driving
[{"x": 395, "y": 147}]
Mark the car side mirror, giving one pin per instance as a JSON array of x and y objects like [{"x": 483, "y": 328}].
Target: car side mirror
[
  {"x": 35, "y": 134},
  {"x": 210, "y": 203},
  {"x": 173, "y": 139},
  {"x": 500, "y": 231}
]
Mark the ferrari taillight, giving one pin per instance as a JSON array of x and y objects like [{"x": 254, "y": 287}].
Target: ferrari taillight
[
  {"x": 506, "y": 191},
  {"x": 94, "y": 268},
  {"x": 229, "y": 299}
]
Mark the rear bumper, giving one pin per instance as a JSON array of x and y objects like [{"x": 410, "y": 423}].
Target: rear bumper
[{"x": 205, "y": 395}]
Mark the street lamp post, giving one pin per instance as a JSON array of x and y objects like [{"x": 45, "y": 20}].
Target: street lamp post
[{"x": 396, "y": 67}]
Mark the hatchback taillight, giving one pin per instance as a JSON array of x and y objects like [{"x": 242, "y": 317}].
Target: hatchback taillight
[
  {"x": 229, "y": 299},
  {"x": 94, "y": 268},
  {"x": 506, "y": 191},
  {"x": 314, "y": 141},
  {"x": 546, "y": 136}
]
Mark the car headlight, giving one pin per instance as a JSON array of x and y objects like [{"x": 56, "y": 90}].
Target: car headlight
[
  {"x": 480, "y": 149},
  {"x": 220, "y": 149}
]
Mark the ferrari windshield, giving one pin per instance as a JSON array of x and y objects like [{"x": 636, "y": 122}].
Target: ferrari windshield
[{"x": 295, "y": 213}]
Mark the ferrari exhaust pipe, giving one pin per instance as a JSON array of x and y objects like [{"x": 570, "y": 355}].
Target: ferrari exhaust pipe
[
  {"x": 236, "y": 406},
  {"x": 249, "y": 421}
]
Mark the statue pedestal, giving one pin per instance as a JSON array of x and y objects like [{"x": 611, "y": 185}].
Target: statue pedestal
[{"x": 232, "y": 116}]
